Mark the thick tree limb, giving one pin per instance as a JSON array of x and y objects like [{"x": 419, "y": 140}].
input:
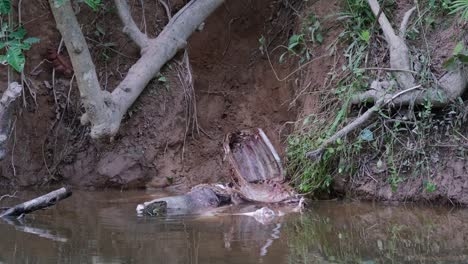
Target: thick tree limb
[
  {"x": 98, "y": 103},
  {"x": 37, "y": 203},
  {"x": 130, "y": 28},
  {"x": 104, "y": 110},
  {"x": 8, "y": 97},
  {"x": 399, "y": 52}
]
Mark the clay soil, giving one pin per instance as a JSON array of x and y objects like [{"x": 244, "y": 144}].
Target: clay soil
[{"x": 158, "y": 145}]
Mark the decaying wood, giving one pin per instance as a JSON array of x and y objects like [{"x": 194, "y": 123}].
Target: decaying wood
[
  {"x": 104, "y": 110},
  {"x": 37, "y": 203},
  {"x": 450, "y": 86},
  {"x": 6, "y": 108}
]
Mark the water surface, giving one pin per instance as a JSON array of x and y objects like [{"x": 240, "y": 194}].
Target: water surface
[{"x": 102, "y": 227}]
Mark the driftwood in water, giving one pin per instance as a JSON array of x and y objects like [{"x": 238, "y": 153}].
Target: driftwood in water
[{"x": 37, "y": 203}]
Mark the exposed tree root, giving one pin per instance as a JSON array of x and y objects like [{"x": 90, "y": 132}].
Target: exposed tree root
[
  {"x": 105, "y": 110},
  {"x": 450, "y": 86},
  {"x": 357, "y": 123}
]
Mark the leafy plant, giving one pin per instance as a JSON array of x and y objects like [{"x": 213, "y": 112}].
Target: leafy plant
[
  {"x": 14, "y": 43},
  {"x": 460, "y": 55},
  {"x": 430, "y": 186},
  {"x": 296, "y": 46},
  {"x": 460, "y": 6},
  {"x": 93, "y": 4},
  {"x": 300, "y": 44},
  {"x": 5, "y": 7}
]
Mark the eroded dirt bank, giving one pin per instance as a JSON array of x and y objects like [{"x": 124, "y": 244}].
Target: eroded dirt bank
[
  {"x": 158, "y": 145},
  {"x": 162, "y": 144}
]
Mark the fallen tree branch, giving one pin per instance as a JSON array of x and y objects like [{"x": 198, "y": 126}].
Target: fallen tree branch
[
  {"x": 6, "y": 108},
  {"x": 37, "y": 203},
  {"x": 357, "y": 123},
  {"x": 105, "y": 110}
]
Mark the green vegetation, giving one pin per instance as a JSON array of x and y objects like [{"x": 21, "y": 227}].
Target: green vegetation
[
  {"x": 12, "y": 39},
  {"x": 397, "y": 145},
  {"x": 317, "y": 177},
  {"x": 460, "y": 6}
]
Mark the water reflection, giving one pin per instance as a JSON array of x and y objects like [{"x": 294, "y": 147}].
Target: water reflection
[
  {"x": 103, "y": 228},
  {"x": 366, "y": 233}
]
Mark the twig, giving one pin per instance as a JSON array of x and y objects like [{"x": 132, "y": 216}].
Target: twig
[
  {"x": 142, "y": 2},
  {"x": 69, "y": 90},
  {"x": 166, "y": 7},
  {"x": 229, "y": 35},
  {"x": 8, "y": 196},
  {"x": 13, "y": 149},
  {"x": 388, "y": 69}
]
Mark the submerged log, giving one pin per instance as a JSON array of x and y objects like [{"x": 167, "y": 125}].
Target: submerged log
[{"x": 37, "y": 203}]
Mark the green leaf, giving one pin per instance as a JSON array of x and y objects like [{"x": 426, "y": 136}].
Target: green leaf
[
  {"x": 294, "y": 41},
  {"x": 32, "y": 40},
  {"x": 463, "y": 58},
  {"x": 450, "y": 63},
  {"x": 365, "y": 35},
  {"x": 458, "y": 49},
  {"x": 19, "y": 33},
  {"x": 367, "y": 135},
  {"x": 319, "y": 38},
  {"x": 94, "y": 4},
  {"x": 5, "y": 7},
  {"x": 15, "y": 58},
  {"x": 162, "y": 79},
  {"x": 3, "y": 59}
]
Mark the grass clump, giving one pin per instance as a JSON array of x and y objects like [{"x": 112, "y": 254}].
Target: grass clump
[{"x": 397, "y": 145}]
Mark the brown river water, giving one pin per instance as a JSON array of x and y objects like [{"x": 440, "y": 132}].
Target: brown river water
[{"x": 102, "y": 227}]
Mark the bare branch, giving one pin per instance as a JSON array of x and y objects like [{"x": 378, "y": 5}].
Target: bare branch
[
  {"x": 130, "y": 28},
  {"x": 9, "y": 96},
  {"x": 399, "y": 52},
  {"x": 405, "y": 21},
  {"x": 37, "y": 203},
  {"x": 162, "y": 49},
  {"x": 104, "y": 110},
  {"x": 166, "y": 7},
  {"x": 357, "y": 123},
  {"x": 8, "y": 196}
]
